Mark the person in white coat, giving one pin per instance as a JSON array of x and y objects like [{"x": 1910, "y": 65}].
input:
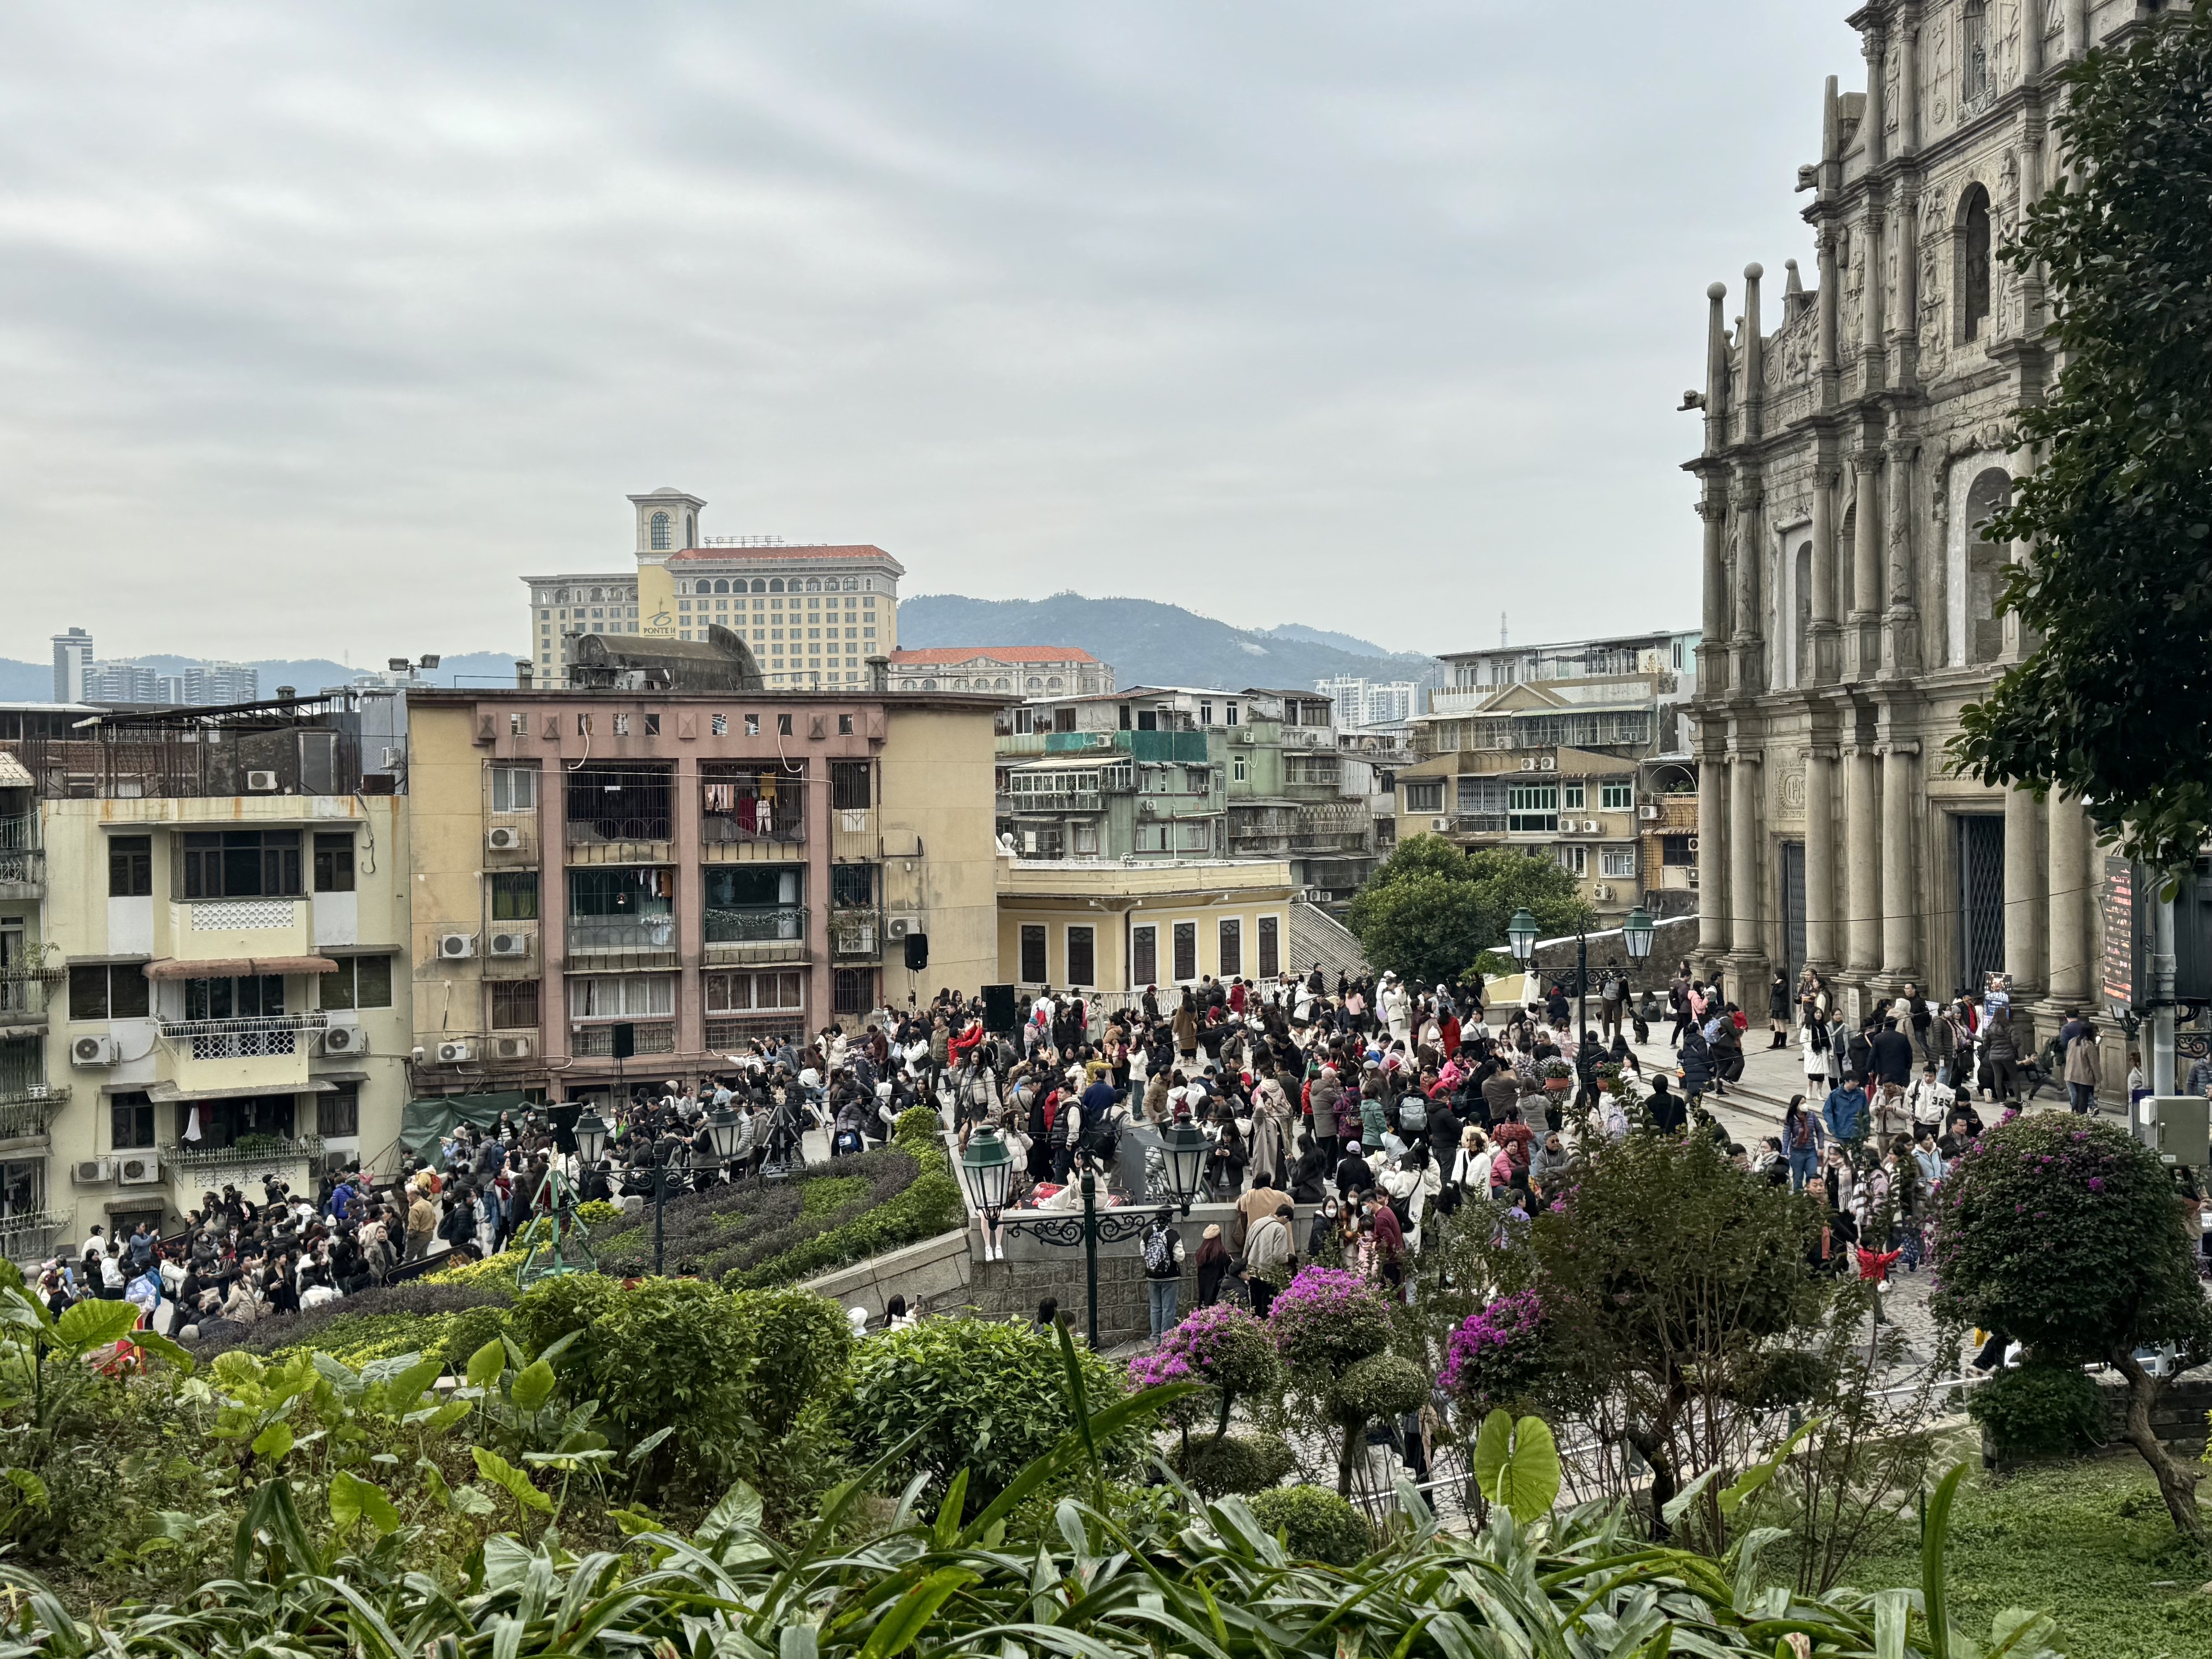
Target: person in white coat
[{"x": 1397, "y": 1010}]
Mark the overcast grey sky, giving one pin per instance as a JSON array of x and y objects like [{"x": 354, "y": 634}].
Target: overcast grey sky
[{"x": 321, "y": 324}]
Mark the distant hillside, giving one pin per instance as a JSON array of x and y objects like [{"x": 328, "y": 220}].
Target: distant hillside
[
  {"x": 33, "y": 682},
  {"x": 1150, "y": 643}
]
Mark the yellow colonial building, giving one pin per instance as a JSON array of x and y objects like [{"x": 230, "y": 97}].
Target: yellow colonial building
[{"x": 1111, "y": 929}]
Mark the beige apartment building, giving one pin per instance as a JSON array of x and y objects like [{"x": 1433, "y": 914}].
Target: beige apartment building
[
  {"x": 675, "y": 872},
  {"x": 204, "y": 922}
]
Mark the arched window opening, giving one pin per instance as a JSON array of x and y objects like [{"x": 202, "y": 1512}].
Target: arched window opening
[
  {"x": 759, "y": 586},
  {"x": 1980, "y": 571},
  {"x": 814, "y": 584},
  {"x": 775, "y": 586},
  {"x": 721, "y": 587},
  {"x": 690, "y": 537},
  {"x": 1974, "y": 263},
  {"x": 660, "y": 532}
]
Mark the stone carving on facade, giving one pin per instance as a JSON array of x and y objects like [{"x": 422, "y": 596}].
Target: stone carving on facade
[
  {"x": 2003, "y": 232},
  {"x": 2004, "y": 46},
  {"x": 1939, "y": 67},
  {"x": 1791, "y": 792},
  {"x": 1934, "y": 340},
  {"x": 1853, "y": 256},
  {"x": 1890, "y": 101}
]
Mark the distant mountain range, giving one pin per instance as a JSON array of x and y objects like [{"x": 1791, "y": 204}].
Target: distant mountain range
[
  {"x": 1150, "y": 643},
  {"x": 33, "y": 682}
]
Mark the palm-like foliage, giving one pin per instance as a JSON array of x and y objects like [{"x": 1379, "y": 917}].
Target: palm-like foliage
[{"x": 1215, "y": 1584}]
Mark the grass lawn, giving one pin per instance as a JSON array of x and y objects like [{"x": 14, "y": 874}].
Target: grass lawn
[{"x": 2089, "y": 1542}]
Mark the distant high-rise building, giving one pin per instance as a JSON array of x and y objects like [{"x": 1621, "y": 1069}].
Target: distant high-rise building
[
  {"x": 1362, "y": 704},
  {"x": 122, "y": 681},
  {"x": 72, "y": 659},
  {"x": 212, "y": 684}
]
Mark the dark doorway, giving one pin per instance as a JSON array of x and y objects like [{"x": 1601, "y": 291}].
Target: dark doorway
[
  {"x": 1981, "y": 897},
  {"x": 1793, "y": 909}
]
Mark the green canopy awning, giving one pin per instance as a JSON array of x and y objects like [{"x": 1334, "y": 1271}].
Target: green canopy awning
[{"x": 422, "y": 1121}]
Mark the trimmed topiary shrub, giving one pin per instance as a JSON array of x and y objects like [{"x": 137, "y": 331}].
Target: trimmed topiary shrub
[
  {"x": 800, "y": 1344},
  {"x": 1314, "y": 1524},
  {"x": 1218, "y": 1344},
  {"x": 2039, "y": 1411},
  {"x": 1382, "y": 1388},
  {"x": 1217, "y": 1465}
]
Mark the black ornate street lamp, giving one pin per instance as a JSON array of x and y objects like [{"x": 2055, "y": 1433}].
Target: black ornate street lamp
[{"x": 984, "y": 1171}]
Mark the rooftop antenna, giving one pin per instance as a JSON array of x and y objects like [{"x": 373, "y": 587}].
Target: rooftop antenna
[{"x": 1501, "y": 630}]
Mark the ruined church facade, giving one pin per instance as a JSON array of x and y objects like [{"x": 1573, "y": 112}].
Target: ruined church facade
[{"x": 1852, "y": 456}]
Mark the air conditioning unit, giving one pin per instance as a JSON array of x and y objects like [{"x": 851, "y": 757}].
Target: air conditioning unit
[
  {"x": 1601, "y": 893},
  {"x": 900, "y": 926},
  {"x": 1147, "y": 810},
  {"x": 1527, "y": 762},
  {"x": 260, "y": 783},
  {"x": 1693, "y": 843},
  {"x": 456, "y": 1054},
  {"x": 137, "y": 1169},
  {"x": 345, "y": 1040},
  {"x": 92, "y": 1051},
  {"x": 503, "y": 839},
  {"x": 510, "y": 944},
  {"x": 457, "y": 947},
  {"x": 1647, "y": 813},
  {"x": 1245, "y": 734},
  {"x": 1440, "y": 824},
  {"x": 513, "y": 1048},
  {"x": 1548, "y": 762},
  {"x": 92, "y": 1172},
  {"x": 1589, "y": 826}
]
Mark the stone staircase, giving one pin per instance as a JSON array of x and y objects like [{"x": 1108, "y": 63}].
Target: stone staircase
[{"x": 1317, "y": 936}]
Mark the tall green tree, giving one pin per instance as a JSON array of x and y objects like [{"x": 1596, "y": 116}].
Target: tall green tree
[
  {"x": 2112, "y": 705},
  {"x": 1430, "y": 908}
]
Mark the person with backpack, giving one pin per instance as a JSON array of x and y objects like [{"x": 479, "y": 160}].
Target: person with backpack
[
  {"x": 1407, "y": 1187},
  {"x": 1612, "y": 997},
  {"x": 1161, "y": 1246}
]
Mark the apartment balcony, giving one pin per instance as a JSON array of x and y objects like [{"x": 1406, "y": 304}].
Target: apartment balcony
[
  {"x": 630, "y": 941},
  {"x": 620, "y": 841},
  {"x": 747, "y": 814},
  {"x": 734, "y": 1031},
  {"x": 597, "y": 1041},
  {"x": 23, "y": 874},
  {"x": 267, "y": 1054},
  {"x": 28, "y": 1235},
  {"x": 776, "y": 934},
  {"x": 24, "y": 993},
  {"x": 856, "y": 835},
  {"x": 25, "y": 1116},
  {"x": 856, "y": 935},
  {"x": 215, "y": 930},
  {"x": 258, "y": 1153}
]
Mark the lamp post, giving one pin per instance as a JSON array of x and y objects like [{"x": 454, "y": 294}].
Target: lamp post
[
  {"x": 724, "y": 1129},
  {"x": 987, "y": 1164},
  {"x": 1635, "y": 932},
  {"x": 984, "y": 1169}
]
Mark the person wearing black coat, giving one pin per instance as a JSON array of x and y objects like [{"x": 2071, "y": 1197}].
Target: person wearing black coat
[
  {"x": 1668, "y": 1113},
  {"x": 1309, "y": 1172}
]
